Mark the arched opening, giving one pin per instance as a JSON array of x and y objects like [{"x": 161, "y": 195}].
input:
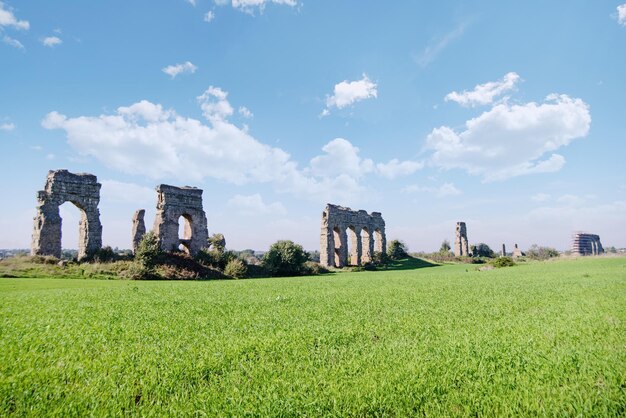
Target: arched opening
[
  {"x": 184, "y": 233},
  {"x": 353, "y": 257},
  {"x": 71, "y": 230},
  {"x": 337, "y": 241},
  {"x": 378, "y": 241},
  {"x": 366, "y": 256}
]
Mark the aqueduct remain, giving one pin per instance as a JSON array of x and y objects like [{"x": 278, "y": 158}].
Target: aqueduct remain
[
  {"x": 343, "y": 226},
  {"x": 83, "y": 190},
  {"x": 174, "y": 203}
]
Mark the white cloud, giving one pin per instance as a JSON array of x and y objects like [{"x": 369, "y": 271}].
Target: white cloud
[
  {"x": 347, "y": 93},
  {"x": 51, "y": 41},
  {"x": 50, "y": 156},
  {"x": 245, "y": 112},
  {"x": 396, "y": 168},
  {"x": 209, "y": 16},
  {"x": 12, "y": 42},
  {"x": 437, "y": 45},
  {"x": 621, "y": 14},
  {"x": 117, "y": 191},
  {"x": 7, "y": 18},
  {"x": 192, "y": 2},
  {"x": 146, "y": 139},
  {"x": 249, "y": 6},
  {"x": 341, "y": 157},
  {"x": 540, "y": 197},
  {"x": 7, "y": 127},
  {"x": 214, "y": 104},
  {"x": 446, "y": 189},
  {"x": 174, "y": 70},
  {"x": 484, "y": 93},
  {"x": 254, "y": 205},
  {"x": 511, "y": 140}
]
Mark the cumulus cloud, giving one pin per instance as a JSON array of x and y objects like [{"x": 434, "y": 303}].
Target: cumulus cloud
[
  {"x": 192, "y": 2},
  {"x": 209, "y": 16},
  {"x": 340, "y": 157},
  {"x": 254, "y": 205},
  {"x": 245, "y": 112},
  {"x": 7, "y": 126},
  {"x": 621, "y": 14},
  {"x": 51, "y": 41},
  {"x": 541, "y": 197},
  {"x": 347, "y": 93},
  {"x": 147, "y": 139},
  {"x": 396, "y": 168},
  {"x": 8, "y": 19},
  {"x": 249, "y": 6},
  {"x": 512, "y": 140},
  {"x": 12, "y": 42},
  {"x": 174, "y": 70},
  {"x": 484, "y": 93}
]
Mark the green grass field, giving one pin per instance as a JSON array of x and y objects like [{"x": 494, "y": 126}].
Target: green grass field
[{"x": 535, "y": 339}]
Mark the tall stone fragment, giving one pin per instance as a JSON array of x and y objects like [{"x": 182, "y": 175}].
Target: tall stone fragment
[
  {"x": 461, "y": 247},
  {"x": 586, "y": 244},
  {"x": 172, "y": 204},
  {"x": 367, "y": 235},
  {"x": 503, "y": 253},
  {"x": 517, "y": 252},
  {"x": 83, "y": 190},
  {"x": 139, "y": 228}
]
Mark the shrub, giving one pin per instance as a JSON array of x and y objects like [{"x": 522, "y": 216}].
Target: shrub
[
  {"x": 380, "y": 258},
  {"x": 236, "y": 269},
  {"x": 536, "y": 252},
  {"x": 149, "y": 251},
  {"x": 314, "y": 268},
  {"x": 217, "y": 242},
  {"x": 445, "y": 247},
  {"x": 285, "y": 258},
  {"x": 397, "y": 250},
  {"x": 482, "y": 250},
  {"x": 503, "y": 262},
  {"x": 215, "y": 258},
  {"x": 103, "y": 255}
]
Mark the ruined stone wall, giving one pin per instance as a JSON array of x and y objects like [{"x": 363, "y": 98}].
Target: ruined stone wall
[
  {"x": 367, "y": 235},
  {"x": 461, "y": 247},
  {"x": 83, "y": 190},
  {"x": 172, "y": 203},
  {"x": 586, "y": 244},
  {"x": 139, "y": 228}
]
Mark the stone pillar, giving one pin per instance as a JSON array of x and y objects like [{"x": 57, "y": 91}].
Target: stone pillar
[
  {"x": 461, "y": 246},
  {"x": 503, "y": 253},
  {"x": 139, "y": 228}
]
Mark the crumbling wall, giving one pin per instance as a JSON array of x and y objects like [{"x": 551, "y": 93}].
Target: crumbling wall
[
  {"x": 586, "y": 244},
  {"x": 461, "y": 247},
  {"x": 83, "y": 190},
  {"x": 172, "y": 203},
  {"x": 367, "y": 233},
  {"x": 139, "y": 228}
]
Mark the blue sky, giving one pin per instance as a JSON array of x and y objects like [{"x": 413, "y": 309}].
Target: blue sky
[{"x": 506, "y": 115}]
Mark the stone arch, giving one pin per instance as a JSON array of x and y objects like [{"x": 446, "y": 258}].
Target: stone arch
[
  {"x": 172, "y": 203},
  {"x": 185, "y": 232},
  {"x": 83, "y": 191},
  {"x": 379, "y": 244},
  {"x": 354, "y": 245},
  {"x": 337, "y": 260}
]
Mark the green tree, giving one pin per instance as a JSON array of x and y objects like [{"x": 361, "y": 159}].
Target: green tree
[
  {"x": 397, "y": 250},
  {"x": 285, "y": 258},
  {"x": 149, "y": 251},
  {"x": 483, "y": 250},
  {"x": 217, "y": 242},
  {"x": 445, "y": 247}
]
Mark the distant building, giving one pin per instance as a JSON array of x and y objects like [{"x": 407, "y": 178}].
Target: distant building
[{"x": 586, "y": 244}]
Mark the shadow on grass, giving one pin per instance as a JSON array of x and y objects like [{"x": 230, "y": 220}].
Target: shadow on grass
[{"x": 410, "y": 263}]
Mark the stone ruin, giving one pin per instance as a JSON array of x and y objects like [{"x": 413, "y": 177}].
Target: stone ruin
[
  {"x": 172, "y": 204},
  {"x": 83, "y": 190},
  {"x": 366, "y": 231},
  {"x": 586, "y": 244},
  {"x": 461, "y": 247},
  {"x": 139, "y": 228},
  {"x": 517, "y": 252}
]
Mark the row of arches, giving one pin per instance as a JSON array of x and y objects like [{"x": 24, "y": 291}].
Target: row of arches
[{"x": 354, "y": 246}]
